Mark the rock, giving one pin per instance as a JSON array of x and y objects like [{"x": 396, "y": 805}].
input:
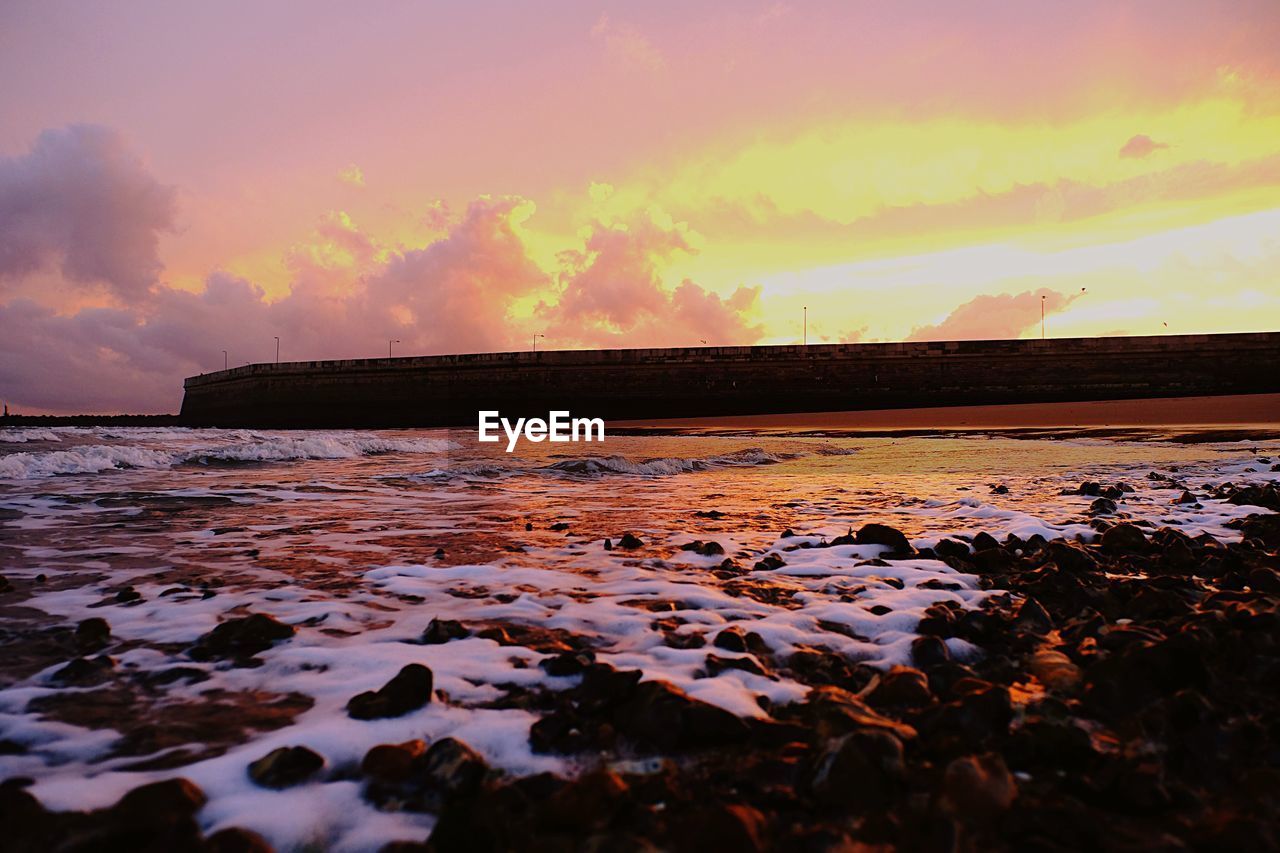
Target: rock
[
  {"x": 1054, "y": 670},
  {"x": 442, "y": 631},
  {"x": 662, "y": 716},
  {"x": 241, "y": 638},
  {"x": 951, "y": 548},
  {"x": 984, "y": 542},
  {"x": 630, "y": 542},
  {"x": 716, "y": 665},
  {"x": 770, "y": 562},
  {"x": 285, "y": 767},
  {"x": 451, "y": 768},
  {"x": 234, "y": 839},
  {"x": 977, "y": 788},
  {"x": 1071, "y": 556},
  {"x": 715, "y": 826},
  {"x": 559, "y": 527},
  {"x": 731, "y": 639},
  {"x": 901, "y": 686},
  {"x": 1124, "y": 539},
  {"x": 568, "y": 663},
  {"x": 883, "y": 534},
  {"x": 1103, "y": 506},
  {"x": 392, "y": 763},
  {"x": 835, "y": 712},
  {"x": 1267, "y": 496},
  {"x": 85, "y": 671},
  {"x": 409, "y": 690},
  {"x": 1187, "y": 497},
  {"x": 927, "y": 651},
  {"x": 1090, "y": 489},
  {"x": 861, "y": 770},
  {"x": 168, "y": 797},
  {"x": 92, "y": 634},
  {"x": 1033, "y": 618}
]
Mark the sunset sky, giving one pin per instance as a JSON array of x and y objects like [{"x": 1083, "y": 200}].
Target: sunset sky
[{"x": 180, "y": 179}]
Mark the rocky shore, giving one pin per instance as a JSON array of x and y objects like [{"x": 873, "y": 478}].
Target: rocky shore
[{"x": 1124, "y": 698}]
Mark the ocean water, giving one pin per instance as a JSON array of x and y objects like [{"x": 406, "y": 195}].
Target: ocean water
[{"x": 359, "y": 539}]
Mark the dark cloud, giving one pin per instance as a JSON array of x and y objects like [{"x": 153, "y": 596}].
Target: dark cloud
[
  {"x": 81, "y": 202},
  {"x": 1140, "y": 146},
  {"x": 994, "y": 317}
]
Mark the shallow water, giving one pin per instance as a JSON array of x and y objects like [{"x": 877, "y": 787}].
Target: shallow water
[{"x": 359, "y": 539}]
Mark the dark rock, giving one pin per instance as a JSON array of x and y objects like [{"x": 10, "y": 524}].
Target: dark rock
[
  {"x": 1033, "y": 618},
  {"x": 85, "y": 671},
  {"x": 630, "y": 542},
  {"x": 984, "y": 542},
  {"x": 442, "y": 631},
  {"x": 901, "y": 686},
  {"x": 978, "y": 788},
  {"x": 285, "y": 767},
  {"x": 568, "y": 663},
  {"x": 1187, "y": 497},
  {"x": 951, "y": 548},
  {"x": 1071, "y": 556},
  {"x": 1102, "y": 506},
  {"x": 834, "y": 712},
  {"x": 731, "y": 639},
  {"x": 559, "y": 527},
  {"x": 168, "y": 797},
  {"x": 243, "y": 637},
  {"x": 770, "y": 562},
  {"x": 409, "y": 690},
  {"x": 451, "y": 768},
  {"x": 862, "y": 770},
  {"x": 92, "y": 634},
  {"x": 1124, "y": 539},
  {"x": 927, "y": 651},
  {"x": 392, "y": 763},
  {"x": 1267, "y": 496},
  {"x": 234, "y": 839},
  {"x": 662, "y": 716},
  {"x": 716, "y": 665},
  {"x": 883, "y": 534},
  {"x": 1090, "y": 489}
]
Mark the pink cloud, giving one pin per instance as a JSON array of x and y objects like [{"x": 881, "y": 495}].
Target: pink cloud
[
  {"x": 994, "y": 317},
  {"x": 81, "y": 202},
  {"x": 1140, "y": 146}
]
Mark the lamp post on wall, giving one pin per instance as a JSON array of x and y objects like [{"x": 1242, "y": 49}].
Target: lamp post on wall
[
  {"x": 277, "y": 349},
  {"x": 535, "y": 341},
  {"x": 806, "y": 325},
  {"x": 224, "y": 360},
  {"x": 1042, "y": 298},
  {"x": 389, "y": 343}
]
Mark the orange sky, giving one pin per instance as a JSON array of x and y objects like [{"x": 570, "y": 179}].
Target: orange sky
[{"x": 179, "y": 180}]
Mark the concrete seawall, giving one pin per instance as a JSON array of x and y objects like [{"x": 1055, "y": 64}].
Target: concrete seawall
[{"x": 710, "y": 381}]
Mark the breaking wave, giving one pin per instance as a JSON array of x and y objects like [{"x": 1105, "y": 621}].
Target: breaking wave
[{"x": 95, "y": 458}]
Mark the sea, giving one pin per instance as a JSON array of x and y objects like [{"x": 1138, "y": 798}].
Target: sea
[{"x": 360, "y": 539}]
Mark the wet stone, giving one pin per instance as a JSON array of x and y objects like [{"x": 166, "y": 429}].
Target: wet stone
[
  {"x": 883, "y": 534},
  {"x": 241, "y": 638},
  {"x": 92, "y": 634},
  {"x": 442, "y": 631},
  {"x": 409, "y": 690},
  {"x": 285, "y": 767}
]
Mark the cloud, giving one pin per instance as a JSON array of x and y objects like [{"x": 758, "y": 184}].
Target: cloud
[
  {"x": 613, "y": 292},
  {"x": 81, "y": 202},
  {"x": 1140, "y": 146},
  {"x": 353, "y": 175},
  {"x": 994, "y": 317},
  {"x": 628, "y": 45}
]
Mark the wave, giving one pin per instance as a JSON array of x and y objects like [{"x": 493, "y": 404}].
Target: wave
[
  {"x": 95, "y": 458},
  {"x": 21, "y": 435},
  {"x": 595, "y": 466}
]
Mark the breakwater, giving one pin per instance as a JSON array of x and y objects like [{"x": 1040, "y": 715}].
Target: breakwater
[{"x": 448, "y": 390}]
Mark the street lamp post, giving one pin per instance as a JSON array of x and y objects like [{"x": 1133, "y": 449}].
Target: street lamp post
[
  {"x": 277, "y": 349},
  {"x": 389, "y": 343},
  {"x": 535, "y": 341},
  {"x": 224, "y": 360},
  {"x": 806, "y": 325},
  {"x": 1042, "y": 296}
]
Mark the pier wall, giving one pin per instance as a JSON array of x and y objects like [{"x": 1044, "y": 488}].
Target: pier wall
[{"x": 711, "y": 381}]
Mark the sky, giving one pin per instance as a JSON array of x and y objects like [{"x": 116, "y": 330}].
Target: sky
[{"x": 180, "y": 180}]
